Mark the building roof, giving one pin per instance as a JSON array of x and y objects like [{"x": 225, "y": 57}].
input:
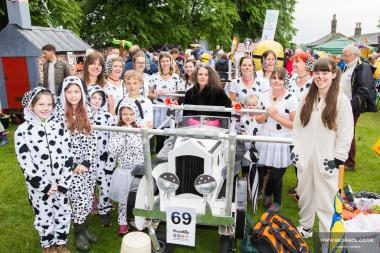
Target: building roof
[
  {"x": 17, "y": 41},
  {"x": 325, "y": 39},
  {"x": 369, "y": 38}
]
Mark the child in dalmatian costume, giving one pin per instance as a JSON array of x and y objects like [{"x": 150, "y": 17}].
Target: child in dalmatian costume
[
  {"x": 76, "y": 116},
  {"x": 105, "y": 162},
  {"x": 320, "y": 149},
  {"x": 43, "y": 151},
  {"x": 129, "y": 151}
]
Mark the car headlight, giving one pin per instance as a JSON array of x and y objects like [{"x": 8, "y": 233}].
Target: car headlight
[{"x": 168, "y": 182}]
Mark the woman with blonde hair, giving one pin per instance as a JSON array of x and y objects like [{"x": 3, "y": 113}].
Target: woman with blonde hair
[{"x": 166, "y": 81}]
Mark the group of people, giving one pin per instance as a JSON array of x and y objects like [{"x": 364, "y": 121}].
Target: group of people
[{"x": 63, "y": 158}]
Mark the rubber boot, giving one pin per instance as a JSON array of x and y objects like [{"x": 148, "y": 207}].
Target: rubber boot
[
  {"x": 81, "y": 241},
  {"x": 91, "y": 237}
]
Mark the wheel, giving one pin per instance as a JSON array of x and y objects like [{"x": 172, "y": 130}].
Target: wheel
[
  {"x": 226, "y": 244},
  {"x": 165, "y": 247},
  {"x": 131, "y": 200},
  {"x": 241, "y": 207}
]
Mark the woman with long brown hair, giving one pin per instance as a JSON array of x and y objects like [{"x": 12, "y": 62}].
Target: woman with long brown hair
[
  {"x": 323, "y": 130},
  {"x": 93, "y": 70},
  {"x": 206, "y": 91},
  {"x": 75, "y": 116}
]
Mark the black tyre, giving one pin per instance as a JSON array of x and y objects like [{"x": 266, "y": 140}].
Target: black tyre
[
  {"x": 226, "y": 244},
  {"x": 241, "y": 207},
  {"x": 165, "y": 247}
]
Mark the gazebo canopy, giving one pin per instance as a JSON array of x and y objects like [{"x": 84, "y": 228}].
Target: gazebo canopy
[{"x": 336, "y": 46}]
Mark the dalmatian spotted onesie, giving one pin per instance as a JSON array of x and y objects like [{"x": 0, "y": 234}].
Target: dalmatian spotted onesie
[
  {"x": 42, "y": 150},
  {"x": 316, "y": 148},
  {"x": 144, "y": 106},
  {"x": 170, "y": 86},
  {"x": 83, "y": 148},
  {"x": 242, "y": 92},
  {"x": 299, "y": 92},
  {"x": 129, "y": 151},
  {"x": 105, "y": 162}
]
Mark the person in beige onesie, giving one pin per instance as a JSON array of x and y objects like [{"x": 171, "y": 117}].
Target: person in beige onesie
[{"x": 323, "y": 130}]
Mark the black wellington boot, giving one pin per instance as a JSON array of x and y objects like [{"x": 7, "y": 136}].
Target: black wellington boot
[
  {"x": 81, "y": 241},
  {"x": 91, "y": 237}
]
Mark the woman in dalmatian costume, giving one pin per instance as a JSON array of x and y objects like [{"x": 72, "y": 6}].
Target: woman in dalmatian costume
[
  {"x": 299, "y": 85},
  {"x": 323, "y": 130},
  {"x": 281, "y": 107},
  {"x": 105, "y": 162},
  {"x": 129, "y": 151},
  {"x": 76, "y": 116},
  {"x": 43, "y": 151},
  {"x": 166, "y": 81},
  {"x": 247, "y": 84},
  {"x": 301, "y": 80}
]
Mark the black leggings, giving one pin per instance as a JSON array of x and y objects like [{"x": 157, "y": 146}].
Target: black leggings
[{"x": 274, "y": 184}]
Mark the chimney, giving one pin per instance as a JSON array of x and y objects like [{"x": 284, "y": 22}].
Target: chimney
[
  {"x": 358, "y": 29},
  {"x": 18, "y": 13},
  {"x": 333, "y": 24}
]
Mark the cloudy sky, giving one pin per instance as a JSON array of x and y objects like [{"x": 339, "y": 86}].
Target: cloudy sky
[{"x": 313, "y": 18}]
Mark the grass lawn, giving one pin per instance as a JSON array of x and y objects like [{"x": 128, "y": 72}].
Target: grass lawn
[{"x": 17, "y": 233}]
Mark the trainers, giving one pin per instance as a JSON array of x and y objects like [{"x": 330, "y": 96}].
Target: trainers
[
  {"x": 305, "y": 233},
  {"x": 274, "y": 208},
  {"x": 105, "y": 219},
  {"x": 62, "y": 249},
  {"x": 123, "y": 229}
]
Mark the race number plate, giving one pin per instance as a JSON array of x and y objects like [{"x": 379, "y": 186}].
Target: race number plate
[{"x": 180, "y": 225}]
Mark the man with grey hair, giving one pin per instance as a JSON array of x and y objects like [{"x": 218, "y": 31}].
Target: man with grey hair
[{"x": 356, "y": 83}]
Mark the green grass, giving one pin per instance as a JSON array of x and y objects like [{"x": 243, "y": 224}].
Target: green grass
[{"x": 17, "y": 233}]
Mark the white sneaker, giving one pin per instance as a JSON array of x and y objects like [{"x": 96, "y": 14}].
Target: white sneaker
[{"x": 305, "y": 233}]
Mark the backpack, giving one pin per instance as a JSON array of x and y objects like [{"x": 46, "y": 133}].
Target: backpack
[{"x": 276, "y": 234}]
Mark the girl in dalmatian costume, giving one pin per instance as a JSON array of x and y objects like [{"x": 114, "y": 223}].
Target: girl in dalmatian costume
[
  {"x": 43, "y": 151},
  {"x": 323, "y": 131},
  {"x": 281, "y": 107},
  {"x": 105, "y": 162},
  {"x": 129, "y": 151},
  {"x": 76, "y": 116}
]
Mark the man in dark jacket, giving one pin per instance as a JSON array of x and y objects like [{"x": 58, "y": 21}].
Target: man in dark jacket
[
  {"x": 356, "y": 82},
  {"x": 54, "y": 70},
  {"x": 221, "y": 67}
]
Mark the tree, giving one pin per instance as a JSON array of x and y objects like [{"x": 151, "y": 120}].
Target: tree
[
  {"x": 54, "y": 13},
  {"x": 148, "y": 22},
  {"x": 252, "y": 16}
]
